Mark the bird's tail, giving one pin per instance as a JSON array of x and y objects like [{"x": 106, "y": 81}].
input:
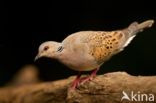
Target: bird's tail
[{"x": 136, "y": 27}]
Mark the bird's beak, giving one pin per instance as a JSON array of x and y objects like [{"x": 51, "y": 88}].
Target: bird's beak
[{"x": 37, "y": 57}]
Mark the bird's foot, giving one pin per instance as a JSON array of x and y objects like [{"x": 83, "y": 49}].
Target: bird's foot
[
  {"x": 85, "y": 79},
  {"x": 76, "y": 82},
  {"x": 90, "y": 77},
  {"x": 79, "y": 80}
]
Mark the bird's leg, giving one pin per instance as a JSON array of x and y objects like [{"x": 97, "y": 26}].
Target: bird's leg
[
  {"x": 90, "y": 77},
  {"x": 93, "y": 74},
  {"x": 76, "y": 81}
]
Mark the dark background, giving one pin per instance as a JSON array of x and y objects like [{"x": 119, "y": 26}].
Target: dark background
[{"x": 26, "y": 24}]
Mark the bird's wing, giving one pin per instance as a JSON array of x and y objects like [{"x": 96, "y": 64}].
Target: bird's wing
[
  {"x": 98, "y": 44},
  {"x": 102, "y": 45}
]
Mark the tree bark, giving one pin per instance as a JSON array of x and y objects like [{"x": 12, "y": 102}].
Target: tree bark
[{"x": 107, "y": 88}]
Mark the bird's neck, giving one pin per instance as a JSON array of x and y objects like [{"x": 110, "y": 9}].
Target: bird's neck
[
  {"x": 62, "y": 56},
  {"x": 58, "y": 56}
]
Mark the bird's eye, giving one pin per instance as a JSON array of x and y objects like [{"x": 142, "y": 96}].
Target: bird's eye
[{"x": 46, "y": 48}]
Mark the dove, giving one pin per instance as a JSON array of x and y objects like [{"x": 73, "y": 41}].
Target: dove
[{"x": 88, "y": 50}]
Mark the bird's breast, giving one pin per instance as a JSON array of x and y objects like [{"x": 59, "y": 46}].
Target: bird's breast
[{"x": 78, "y": 62}]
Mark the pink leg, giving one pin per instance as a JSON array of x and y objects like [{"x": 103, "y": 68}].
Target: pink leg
[
  {"x": 76, "y": 81},
  {"x": 90, "y": 77}
]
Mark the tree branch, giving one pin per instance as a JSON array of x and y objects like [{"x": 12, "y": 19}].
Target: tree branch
[{"x": 107, "y": 88}]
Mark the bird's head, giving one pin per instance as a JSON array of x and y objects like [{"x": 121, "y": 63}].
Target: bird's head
[{"x": 49, "y": 49}]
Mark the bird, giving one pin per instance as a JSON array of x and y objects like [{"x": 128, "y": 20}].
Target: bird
[{"x": 88, "y": 50}]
